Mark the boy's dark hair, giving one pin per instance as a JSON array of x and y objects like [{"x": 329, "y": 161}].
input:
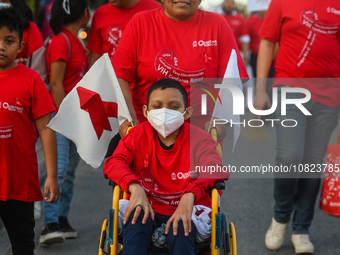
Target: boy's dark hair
[
  {"x": 10, "y": 18},
  {"x": 26, "y": 13},
  {"x": 60, "y": 18},
  {"x": 168, "y": 83}
]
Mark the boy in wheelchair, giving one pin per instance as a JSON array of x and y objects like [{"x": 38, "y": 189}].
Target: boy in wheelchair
[{"x": 155, "y": 163}]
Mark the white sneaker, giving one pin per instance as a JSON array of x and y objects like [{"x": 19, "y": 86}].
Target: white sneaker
[
  {"x": 275, "y": 235},
  {"x": 302, "y": 244}
]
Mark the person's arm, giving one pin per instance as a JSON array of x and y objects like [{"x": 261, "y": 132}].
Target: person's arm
[
  {"x": 117, "y": 168},
  {"x": 93, "y": 58},
  {"x": 264, "y": 61},
  {"x": 49, "y": 145},
  {"x": 58, "y": 69},
  {"x": 125, "y": 87},
  {"x": 245, "y": 49}
]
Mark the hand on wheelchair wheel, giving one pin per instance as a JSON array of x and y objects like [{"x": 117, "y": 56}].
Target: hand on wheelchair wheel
[{"x": 138, "y": 197}]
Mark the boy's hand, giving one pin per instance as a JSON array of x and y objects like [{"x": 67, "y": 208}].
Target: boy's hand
[
  {"x": 183, "y": 213},
  {"x": 52, "y": 189},
  {"x": 138, "y": 197}
]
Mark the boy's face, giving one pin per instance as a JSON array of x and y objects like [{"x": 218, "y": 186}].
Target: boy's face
[
  {"x": 169, "y": 98},
  {"x": 9, "y": 47}
]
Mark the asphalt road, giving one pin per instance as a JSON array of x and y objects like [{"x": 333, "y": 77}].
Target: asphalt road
[{"x": 247, "y": 200}]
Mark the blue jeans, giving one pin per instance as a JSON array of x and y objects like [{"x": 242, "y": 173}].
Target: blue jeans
[
  {"x": 304, "y": 144},
  {"x": 68, "y": 160},
  {"x": 137, "y": 237}
]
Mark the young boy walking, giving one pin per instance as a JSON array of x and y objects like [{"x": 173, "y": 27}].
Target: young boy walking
[
  {"x": 25, "y": 107},
  {"x": 156, "y": 164}
]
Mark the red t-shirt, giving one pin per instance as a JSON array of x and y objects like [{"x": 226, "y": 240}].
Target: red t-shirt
[
  {"x": 238, "y": 25},
  {"x": 309, "y": 37},
  {"x": 254, "y": 23},
  {"x": 165, "y": 174},
  {"x": 23, "y": 99},
  {"x": 33, "y": 41},
  {"x": 108, "y": 24},
  {"x": 154, "y": 47},
  {"x": 76, "y": 65}
]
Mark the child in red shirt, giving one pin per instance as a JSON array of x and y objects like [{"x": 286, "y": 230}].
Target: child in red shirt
[
  {"x": 156, "y": 164},
  {"x": 23, "y": 100}
]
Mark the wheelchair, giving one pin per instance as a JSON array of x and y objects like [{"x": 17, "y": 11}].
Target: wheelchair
[{"x": 223, "y": 234}]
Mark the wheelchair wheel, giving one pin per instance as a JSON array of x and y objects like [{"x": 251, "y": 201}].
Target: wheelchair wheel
[
  {"x": 103, "y": 235},
  {"x": 233, "y": 246},
  {"x": 225, "y": 235}
]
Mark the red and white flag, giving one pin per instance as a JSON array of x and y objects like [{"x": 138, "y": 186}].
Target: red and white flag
[{"x": 91, "y": 113}]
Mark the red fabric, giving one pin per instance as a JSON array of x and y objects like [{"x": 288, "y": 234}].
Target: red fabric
[
  {"x": 164, "y": 174},
  {"x": 108, "y": 24},
  {"x": 33, "y": 41},
  {"x": 154, "y": 47},
  {"x": 308, "y": 33},
  {"x": 98, "y": 110},
  {"x": 23, "y": 98},
  {"x": 238, "y": 25},
  {"x": 76, "y": 66},
  {"x": 254, "y": 23},
  {"x": 330, "y": 195}
]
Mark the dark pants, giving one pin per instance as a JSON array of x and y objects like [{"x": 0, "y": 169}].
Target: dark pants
[
  {"x": 18, "y": 218},
  {"x": 306, "y": 144},
  {"x": 137, "y": 237}
]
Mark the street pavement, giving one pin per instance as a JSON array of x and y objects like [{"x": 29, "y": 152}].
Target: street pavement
[{"x": 248, "y": 201}]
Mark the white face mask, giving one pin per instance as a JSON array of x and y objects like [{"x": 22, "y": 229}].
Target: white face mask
[{"x": 165, "y": 121}]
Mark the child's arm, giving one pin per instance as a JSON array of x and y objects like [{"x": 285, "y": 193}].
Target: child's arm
[
  {"x": 56, "y": 80},
  {"x": 49, "y": 145},
  {"x": 183, "y": 213},
  {"x": 117, "y": 168},
  {"x": 138, "y": 197}
]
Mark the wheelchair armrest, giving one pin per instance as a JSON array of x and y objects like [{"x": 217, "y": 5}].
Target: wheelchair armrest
[
  {"x": 112, "y": 183},
  {"x": 219, "y": 185}
]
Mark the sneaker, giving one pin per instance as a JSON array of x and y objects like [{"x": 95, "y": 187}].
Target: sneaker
[
  {"x": 275, "y": 235},
  {"x": 66, "y": 228},
  {"x": 51, "y": 234},
  {"x": 302, "y": 244}
]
